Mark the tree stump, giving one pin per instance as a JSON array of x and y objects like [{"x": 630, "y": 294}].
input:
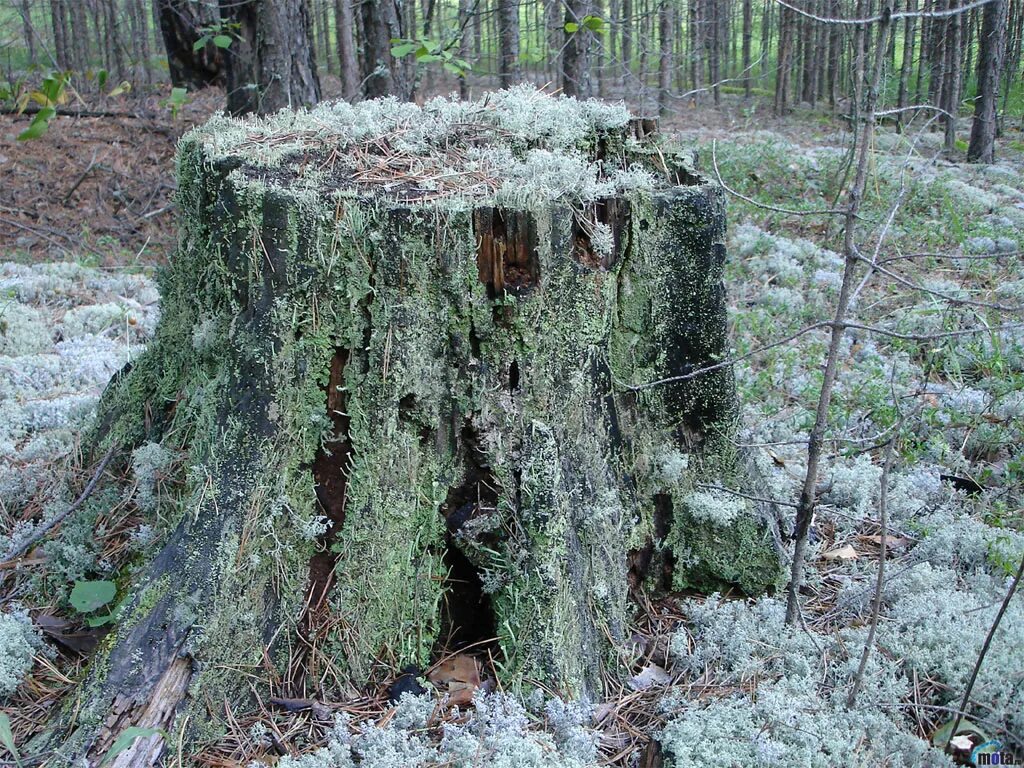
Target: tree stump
[{"x": 399, "y": 367}]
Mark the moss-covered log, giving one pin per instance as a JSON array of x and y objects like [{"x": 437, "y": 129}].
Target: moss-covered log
[{"x": 397, "y": 360}]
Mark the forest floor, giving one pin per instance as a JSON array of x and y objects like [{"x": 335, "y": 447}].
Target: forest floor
[{"x": 86, "y": 212}]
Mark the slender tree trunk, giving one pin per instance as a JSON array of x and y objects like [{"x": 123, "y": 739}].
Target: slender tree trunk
[
  {"x": 835, "y": 52},
  {"x": 908, "y": 62},
  {"x": 748, "y": 34},
  {"x": 25, "y": 9},
  {"x": 80, "y": 35},
  {"x": 990, "y": 55},
  {"x": 787, "y": 20},
  {"x": 272, "y": 65},
  {"x": 464, "y": 43},
  {"x": 951, "y": 77},
  {"x": 575, "y": 69},
  {"x": 344, "y": 30},
  {"x": 508, "y": 42},
  {"x": 714, "y": 37},
  {"x": 696, "y": 49},
  {"x": 626, "y": 46},
  {"x": 61, "y": 33},
  {"x": 665, "y": 35},
  {"x": 808, "y": 493}
]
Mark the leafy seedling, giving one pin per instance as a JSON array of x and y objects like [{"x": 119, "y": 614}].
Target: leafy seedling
[
  {"x": 90, "y": 596},
  {"x": 7, "y": 738}
]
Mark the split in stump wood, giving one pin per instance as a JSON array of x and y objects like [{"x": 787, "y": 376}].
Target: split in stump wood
[{"x": 397, "y": 356}]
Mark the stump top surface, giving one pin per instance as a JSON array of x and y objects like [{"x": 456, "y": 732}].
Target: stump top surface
[{"x": 512, "y": 148}]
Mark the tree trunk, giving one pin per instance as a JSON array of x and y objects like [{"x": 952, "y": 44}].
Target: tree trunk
[
  {"x": 61, "y": 33},
  {"x": 787, "y": 23},
  {"x": 181, "y": 24},
  {"x": 992, "y": 41},
  {"x": 25, "y": 9},
  {"x": 508, "y": 42},
  {"x": 908, "y": 62},
  {"x": 382, "y": 75},
  {"x": 344, "y": 22},
  {"x": 80, "y": 36},
  {"x": 407, "y": 426},
  {"x": 665, "y": 39},
  {"x": 575, "y": 69},
  {"x": 271, "y": 65},
  {"x": 951, "y": 77},
  {"x": 748, "y": 35}
]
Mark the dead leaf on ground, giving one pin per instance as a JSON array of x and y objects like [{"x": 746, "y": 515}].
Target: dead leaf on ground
[
  {"x": 842, "y": 554},
  {"x": 459, "y": 675},
  {"x": 650, "y": 676}
]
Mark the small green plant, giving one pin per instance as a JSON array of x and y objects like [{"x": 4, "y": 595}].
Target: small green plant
[
  {"x": 220, "y": 34},
  {"x": 595, "y": 24},
  {"x": 7, "y": 738},
  {"x": 51, "y": 93},
  {"x": 89, "y": 596},
  {"x": 427, "y": 51},
  {"x": 176, "y": 101}
]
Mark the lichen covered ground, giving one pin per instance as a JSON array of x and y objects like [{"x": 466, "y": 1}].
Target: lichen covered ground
[{"x": 720, "y": 681}]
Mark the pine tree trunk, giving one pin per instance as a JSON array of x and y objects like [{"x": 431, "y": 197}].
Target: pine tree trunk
[
  {"x": 61, "y": 32},
  {"x": 665, "y": 31},
  {"x": 748, "y": 36},
  {"x": 575, "y": 66},
  {"x": 180, "y": 23},
  {"x": 271, "y": 65},
  {"x": 344, "y": 22},
  {"x": 992, "y": 41},
  {"x": 414, "y": 419},
  {"x": 508, "y": 43},
  {"x": 908, "y": 62},
  {"x": 382, "y": 75}
]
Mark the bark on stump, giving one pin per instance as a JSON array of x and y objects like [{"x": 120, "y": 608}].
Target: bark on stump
[{"x": 397, "y": 356}]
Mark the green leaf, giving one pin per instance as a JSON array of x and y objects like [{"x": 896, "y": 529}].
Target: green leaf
[
  {"x": 222, "y": 41},
  {"x": 571, "y": 27},
  {"x": 52, "y": 88},
  {"x": 454, "y": 69},
  {"x": 200, "y": 43},
  {"x": 7, "y": 737},
  {"x": 127, "y": 737},
  {"x": 87, "y": 596},
  {"x": 101, "y": 78},
  {"x": 403, "y": 49},
  {"x": 39, "y": 125},
  {"x": 595, "y": 24},
  {"x": 123, "y": 87},
  {"x": 178, "y": 96}
]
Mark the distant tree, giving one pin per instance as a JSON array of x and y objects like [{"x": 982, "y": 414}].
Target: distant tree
[
  {"x": 508, "y": 42},
  {"x": 344, "y": 30},
  {"x": 270, "y": 62},
  {"x": 383, "y": 75},
  {"x": 575, "y": 71},
  {"x": 182, "y": 24},
  {"x": 990, "y": 59}
]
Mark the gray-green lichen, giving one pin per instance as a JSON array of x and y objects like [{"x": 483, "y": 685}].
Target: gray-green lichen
[{"x": 292, "y": 273}]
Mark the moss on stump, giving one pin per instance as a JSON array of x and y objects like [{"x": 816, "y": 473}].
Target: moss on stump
[{"x": 397, "y": 358}]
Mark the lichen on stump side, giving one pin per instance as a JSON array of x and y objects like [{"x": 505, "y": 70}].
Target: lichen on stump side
[{"x": 398, "y": 342}]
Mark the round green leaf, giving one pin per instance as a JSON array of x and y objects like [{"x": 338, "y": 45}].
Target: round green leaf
[
  {"x": 87, "y": 596},
  {"x": 222, "y": 41}
]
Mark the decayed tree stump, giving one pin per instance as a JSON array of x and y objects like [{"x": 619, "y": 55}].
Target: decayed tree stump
[{"x": 398, "y": 360}]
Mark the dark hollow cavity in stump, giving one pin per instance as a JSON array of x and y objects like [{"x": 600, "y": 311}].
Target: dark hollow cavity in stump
[{"x": 404, "y": 352}]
